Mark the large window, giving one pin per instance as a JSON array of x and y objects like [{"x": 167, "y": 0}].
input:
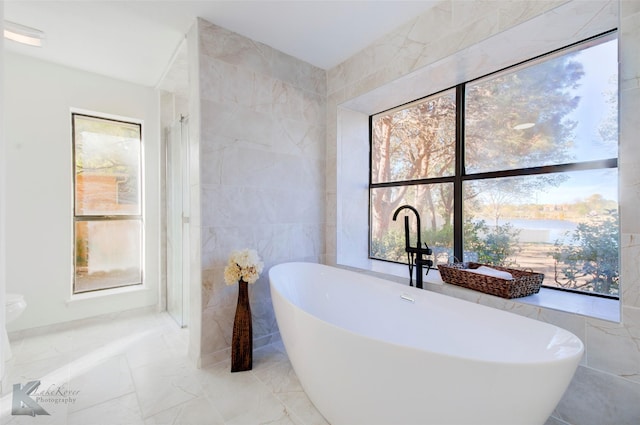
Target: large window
[
  {"x": 107, "y": 156},
  {"x": 518, "y": 168}
]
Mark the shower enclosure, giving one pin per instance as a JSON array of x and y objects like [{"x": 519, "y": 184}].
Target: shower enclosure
[{"x": 177, "y": 204}]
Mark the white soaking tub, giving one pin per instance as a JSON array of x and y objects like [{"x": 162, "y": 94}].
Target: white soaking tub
[{"x": 369, "y": 351}]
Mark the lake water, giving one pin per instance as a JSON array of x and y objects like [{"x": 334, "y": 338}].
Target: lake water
[{"x": 538, "y": 231}]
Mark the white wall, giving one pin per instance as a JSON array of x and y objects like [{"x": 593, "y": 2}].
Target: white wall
[{"x": 38, "y": 97}]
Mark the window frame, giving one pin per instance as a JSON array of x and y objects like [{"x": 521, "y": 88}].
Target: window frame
[
  {"x": 460, "y": 175},
  {"x": 107, "y": 217}
]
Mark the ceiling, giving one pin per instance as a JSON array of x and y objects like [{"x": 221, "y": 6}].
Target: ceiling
[{"x": 136, "y": 40}]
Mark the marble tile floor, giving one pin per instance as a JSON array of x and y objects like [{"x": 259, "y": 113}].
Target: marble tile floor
[{"x": 133, "y": 369}]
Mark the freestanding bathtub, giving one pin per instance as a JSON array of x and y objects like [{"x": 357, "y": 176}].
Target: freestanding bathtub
[{"x": 369, "y": 351}]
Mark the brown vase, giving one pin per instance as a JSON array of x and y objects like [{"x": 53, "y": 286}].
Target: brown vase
[{"x": 242, "y": 340}]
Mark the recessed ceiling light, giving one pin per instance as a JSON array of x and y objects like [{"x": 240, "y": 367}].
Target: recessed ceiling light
[
  {"x": 23, "y": 34},
  {"x": 524, "y": 126}
]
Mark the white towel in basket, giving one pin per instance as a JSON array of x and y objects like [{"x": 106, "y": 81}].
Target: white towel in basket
[{"x": 488, "y": 271}]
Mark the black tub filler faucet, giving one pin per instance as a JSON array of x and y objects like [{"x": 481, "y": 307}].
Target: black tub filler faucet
[{"x": 414, "y": 253}]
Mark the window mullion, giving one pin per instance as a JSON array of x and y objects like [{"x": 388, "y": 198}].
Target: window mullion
[
  {"x": 547, "y": 169},
  {"x": 107, "y": 217},
  {"x": 459, "y": 173}
]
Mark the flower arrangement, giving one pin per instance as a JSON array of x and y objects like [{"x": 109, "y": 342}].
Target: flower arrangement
[{"x": 245, "y": 265}]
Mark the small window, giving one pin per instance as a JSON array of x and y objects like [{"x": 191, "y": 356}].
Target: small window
[{"x": 107, "y": 156}]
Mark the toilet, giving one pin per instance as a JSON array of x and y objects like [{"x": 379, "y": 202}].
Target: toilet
[{"x": 15, "y": 305}]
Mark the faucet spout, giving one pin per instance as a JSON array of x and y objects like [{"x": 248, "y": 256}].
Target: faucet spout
[
  {"x": 406, "y": 225},
  {"x": 414, "y": 254}
]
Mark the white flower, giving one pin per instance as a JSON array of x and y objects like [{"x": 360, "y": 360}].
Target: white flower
[{"x": 245, "y": 265}]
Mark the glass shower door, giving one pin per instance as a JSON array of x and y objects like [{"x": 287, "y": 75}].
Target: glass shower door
[{"x": 177, "y": 190}]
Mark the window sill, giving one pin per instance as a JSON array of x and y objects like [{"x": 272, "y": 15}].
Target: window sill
[
  {"x": 584, "y": 305},
  {"x": 106, "y": 292},
  {"x": 568, "y": 302}
]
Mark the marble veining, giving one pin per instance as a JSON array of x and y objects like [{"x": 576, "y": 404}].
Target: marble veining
[{"x": 262, "y": 165}]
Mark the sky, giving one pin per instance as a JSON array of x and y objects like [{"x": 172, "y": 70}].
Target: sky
[
  {"x": 581, "y": 185},
  {"x": 599, "y": 63}
]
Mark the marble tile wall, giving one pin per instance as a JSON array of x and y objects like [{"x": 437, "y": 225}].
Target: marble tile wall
[
  {"x": 606, "y": 386},
  {"x": 261, "y": 180}
]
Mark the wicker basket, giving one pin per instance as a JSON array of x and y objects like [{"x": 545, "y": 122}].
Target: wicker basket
[{"x": 524, "y": 283}]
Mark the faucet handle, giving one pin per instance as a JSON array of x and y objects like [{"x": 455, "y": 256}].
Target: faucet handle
[{"x": 429, "y": 251}]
